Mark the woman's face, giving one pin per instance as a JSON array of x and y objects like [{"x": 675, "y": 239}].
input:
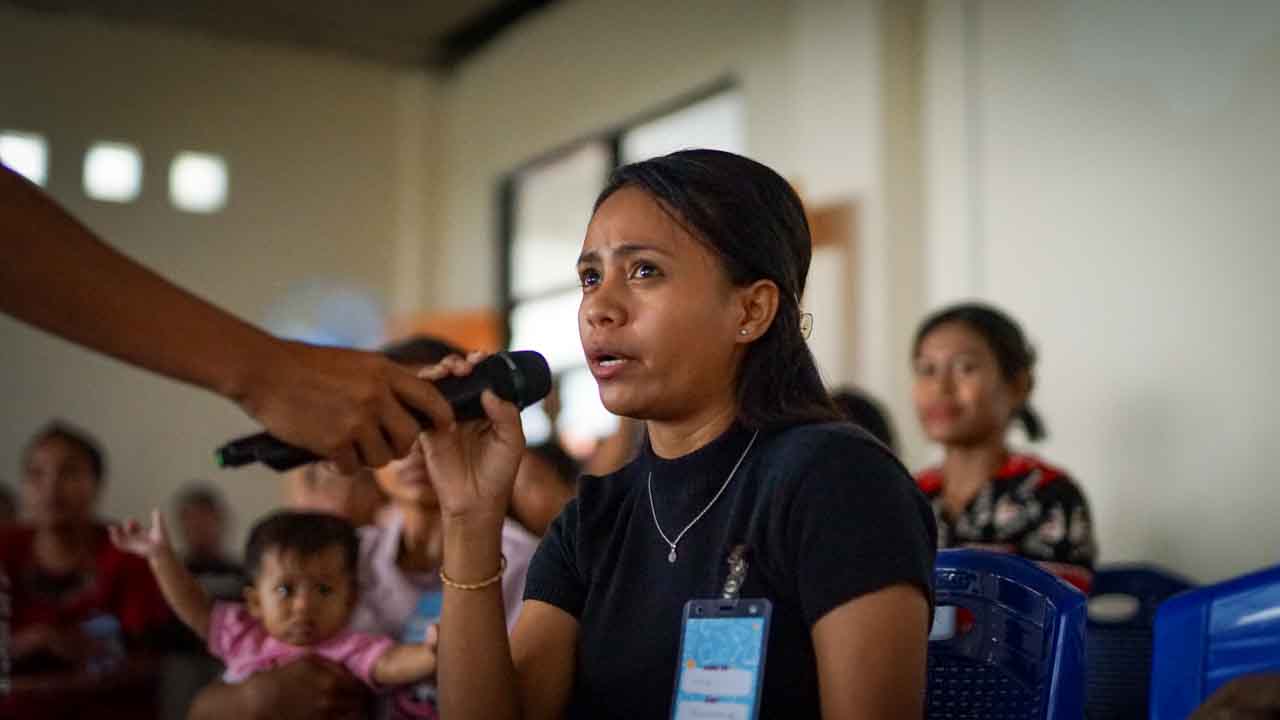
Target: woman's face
[
  {"x": 406, "y": 481},
  {"x": 59, "y": 488},
  {"x": 961, "y": 396},
  {"x": 318, "y": 487},
  {"x": 202, "y": 528},
  {"x": 658, "y": 318}
]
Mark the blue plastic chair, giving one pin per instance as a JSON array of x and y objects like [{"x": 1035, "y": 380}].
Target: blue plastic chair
[
  {"x": 1023, "y": 656},
  {"x": 1118, "y": 649},
  {"x": 1208, "y": 636}
]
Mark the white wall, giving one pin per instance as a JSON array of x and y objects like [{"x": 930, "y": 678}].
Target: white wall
[
  {"x": 1106, "y": 171},
  {"x": 320, "y": 185}
]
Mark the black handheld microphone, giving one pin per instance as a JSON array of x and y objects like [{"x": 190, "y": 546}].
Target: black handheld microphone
[{"x": 521, "y": 377}]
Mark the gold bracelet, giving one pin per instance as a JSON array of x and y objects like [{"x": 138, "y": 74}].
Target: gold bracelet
[{"x": 449, "y": 582}]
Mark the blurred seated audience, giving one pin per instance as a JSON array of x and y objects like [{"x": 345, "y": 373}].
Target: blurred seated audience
[
  {"x": 203, "y": 518},
  {"x": 84, "y": 615},
  {"x": 866, "y": 412},
  {"x": 973, "y": 379},
  {"x": 202, "y": 529}
]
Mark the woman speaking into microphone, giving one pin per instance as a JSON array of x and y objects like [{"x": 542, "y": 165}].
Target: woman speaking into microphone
[{"x": 758, "y": 555}]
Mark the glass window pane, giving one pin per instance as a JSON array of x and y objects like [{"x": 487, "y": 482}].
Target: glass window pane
[
  {"x": 113, "y": 172},
  {"x": 719, "y": 123},
  {"x": 581, "y": 412},
  {"x": 26, "y": 154},
  {"x": 550, "y": 326},
  {"x": 552, "y": 207},
  {"x": 536, "y": 424}
]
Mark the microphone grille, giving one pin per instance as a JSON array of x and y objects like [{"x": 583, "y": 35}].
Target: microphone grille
[{"x": 536, "y": 374}]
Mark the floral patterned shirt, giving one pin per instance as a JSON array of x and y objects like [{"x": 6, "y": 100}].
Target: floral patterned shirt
[{"x": 1029, "y": 508}]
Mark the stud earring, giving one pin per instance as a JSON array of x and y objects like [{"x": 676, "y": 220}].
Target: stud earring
[{"x": 743, "y": 331}]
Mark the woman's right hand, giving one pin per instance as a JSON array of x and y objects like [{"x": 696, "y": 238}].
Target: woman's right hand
[{"x": 472, "y": 465}]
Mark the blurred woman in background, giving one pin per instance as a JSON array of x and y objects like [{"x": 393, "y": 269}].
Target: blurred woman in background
[
  {"x": 973, "y": 380},
  {"x": 80, "y": 607}
]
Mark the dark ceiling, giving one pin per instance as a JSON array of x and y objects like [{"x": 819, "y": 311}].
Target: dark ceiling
[{"x": 436, "y": 34}]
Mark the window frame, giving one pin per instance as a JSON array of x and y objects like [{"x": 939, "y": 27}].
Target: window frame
[{"x": 612, "y": 138}]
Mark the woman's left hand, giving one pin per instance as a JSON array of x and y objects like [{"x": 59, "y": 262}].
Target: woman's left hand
[{"x": 472, "y": 465}]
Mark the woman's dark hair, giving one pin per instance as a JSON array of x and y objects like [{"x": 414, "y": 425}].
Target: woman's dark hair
[
  {"x": 420, "y": 350},
  {"x": 866, "y": 412},
  {"x": 754, "y": 221},
  {"x": 77, "y": 438},
  {"x": 1014, "y": 354},
  {"x": 566, "y": 468},
  {"x": 201, "y": 495},
  {"x": 304, "y": 533}
]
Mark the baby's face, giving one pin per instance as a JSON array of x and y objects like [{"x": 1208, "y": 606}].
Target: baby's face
[{"x": 302, "y": 600}]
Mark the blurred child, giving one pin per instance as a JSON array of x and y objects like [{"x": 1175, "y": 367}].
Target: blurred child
[
  {"x": 400, "y": 558},
  {"x": 303, "y": 591}
]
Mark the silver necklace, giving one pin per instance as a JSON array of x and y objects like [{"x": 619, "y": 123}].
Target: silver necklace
[{"x": 671, "y": 556}]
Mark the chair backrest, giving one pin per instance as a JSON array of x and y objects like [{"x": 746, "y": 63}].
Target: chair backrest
[
  {"x": 1118, "y": 647},
  {"x": 1017, "y": 648},
  {"x": 1205, "y": 637}
]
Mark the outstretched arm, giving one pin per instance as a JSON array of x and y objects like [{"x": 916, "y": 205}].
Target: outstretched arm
[
  {"x": 58, "y": 276},
  {"x": 404, "y": 664},
  {"x": 181, "y": 590}
]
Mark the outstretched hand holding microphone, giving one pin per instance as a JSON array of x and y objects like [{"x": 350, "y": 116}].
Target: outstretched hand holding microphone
[
  {"x": 354, "y": 408},
  {"x": 520, "y": 378},
  {"x": 349, "y": 406}
]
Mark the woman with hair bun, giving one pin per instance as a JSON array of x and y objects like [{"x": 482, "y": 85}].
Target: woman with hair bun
[{"x": 973, "y": 379}]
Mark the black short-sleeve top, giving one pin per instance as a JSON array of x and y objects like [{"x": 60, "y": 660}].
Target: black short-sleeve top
[{"x": 824, "y": 512}]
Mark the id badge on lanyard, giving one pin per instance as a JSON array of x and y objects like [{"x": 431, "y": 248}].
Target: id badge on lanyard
[{"x": 723, "y": 642}]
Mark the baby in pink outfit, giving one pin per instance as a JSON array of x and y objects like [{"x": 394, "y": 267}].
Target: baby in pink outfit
[{"x": 303, "y": 591}]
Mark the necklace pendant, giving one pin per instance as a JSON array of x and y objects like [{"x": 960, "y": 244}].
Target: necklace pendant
[{"x": 671, "y": 556}]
